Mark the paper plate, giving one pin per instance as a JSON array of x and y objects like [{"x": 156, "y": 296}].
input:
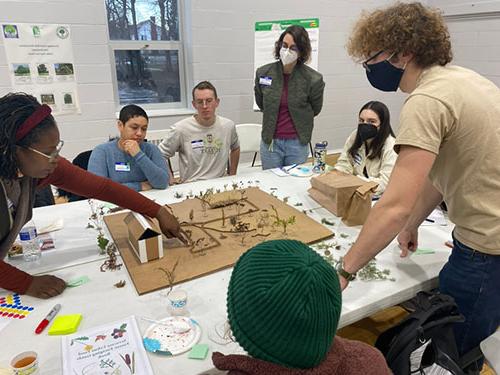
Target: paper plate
[{"x": 175, "y": 335}]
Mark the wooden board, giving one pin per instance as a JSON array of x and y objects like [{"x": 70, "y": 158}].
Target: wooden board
[{"x": 217, "y": 247}]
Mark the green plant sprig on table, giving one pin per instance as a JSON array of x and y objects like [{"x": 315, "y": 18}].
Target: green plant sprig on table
[
  {"x": 103, "y": 243},
  {"x": 284, "y": 223},
  {"x": 370, "y": 272}
]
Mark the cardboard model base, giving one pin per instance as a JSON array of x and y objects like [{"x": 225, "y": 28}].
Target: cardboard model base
[{"x": 214, "y": 244}]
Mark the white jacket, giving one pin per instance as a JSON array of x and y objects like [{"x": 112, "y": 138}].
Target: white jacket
[{"x": 379, "y": 170}]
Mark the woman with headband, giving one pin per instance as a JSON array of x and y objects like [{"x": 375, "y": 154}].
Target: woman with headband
[{"x": 29, "y": 158}]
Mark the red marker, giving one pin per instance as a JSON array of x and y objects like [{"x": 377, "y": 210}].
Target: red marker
[{"x": 44, "y": 323}]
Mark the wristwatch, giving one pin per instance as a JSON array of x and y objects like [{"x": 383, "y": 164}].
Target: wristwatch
[{"x": 346, "y": 275}]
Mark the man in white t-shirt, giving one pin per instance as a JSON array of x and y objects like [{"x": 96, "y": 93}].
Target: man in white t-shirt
[{"x": 206, "y": 142}]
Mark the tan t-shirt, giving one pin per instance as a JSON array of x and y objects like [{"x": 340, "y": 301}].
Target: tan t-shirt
[
  {"x": 455, "y": 113},
  {"x": 203, "y": 150}
]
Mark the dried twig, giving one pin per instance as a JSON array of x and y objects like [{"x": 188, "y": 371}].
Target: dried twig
[{"x": 170, "y": 275}]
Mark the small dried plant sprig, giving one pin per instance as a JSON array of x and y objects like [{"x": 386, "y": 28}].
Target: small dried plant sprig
[
  {"x": 170, "y": 275},
  {"x": 103, "y": 243}
]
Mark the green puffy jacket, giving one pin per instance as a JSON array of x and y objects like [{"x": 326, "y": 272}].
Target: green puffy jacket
[{"x": 305, "y": 98}]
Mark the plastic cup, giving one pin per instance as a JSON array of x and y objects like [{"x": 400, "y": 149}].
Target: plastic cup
[
  {"x": 178, "y": 300},
  {"x": 25, "y": 363}
]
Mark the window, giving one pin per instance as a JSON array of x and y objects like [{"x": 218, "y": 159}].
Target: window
[{"x": 147, "y": 50}]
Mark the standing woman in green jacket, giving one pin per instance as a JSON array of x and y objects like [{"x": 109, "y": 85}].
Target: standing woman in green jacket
[{"x": 290, "y": 95}]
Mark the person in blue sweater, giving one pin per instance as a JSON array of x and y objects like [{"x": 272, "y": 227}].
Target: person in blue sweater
[{"x": 129, "y": 160}]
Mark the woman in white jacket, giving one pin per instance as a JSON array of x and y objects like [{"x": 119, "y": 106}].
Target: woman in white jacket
[{"x": 369, "y": 151}]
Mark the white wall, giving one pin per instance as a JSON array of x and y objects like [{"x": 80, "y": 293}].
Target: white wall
[
  {"x": 220, "y": 49},
  {"x": 92, "y": 65},
  {"x": 476, "y": 45},
  {"x": 223, "y": 45}
]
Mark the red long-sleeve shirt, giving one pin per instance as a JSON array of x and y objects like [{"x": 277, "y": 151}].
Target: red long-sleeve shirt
[{"x": 78, "y": 181}]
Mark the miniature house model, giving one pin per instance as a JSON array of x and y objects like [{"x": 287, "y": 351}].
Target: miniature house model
[{"x": 144, "y": 236}]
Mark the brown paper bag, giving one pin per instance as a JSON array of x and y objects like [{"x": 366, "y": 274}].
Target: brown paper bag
[
  {"x": 324, "y": 200},
  {"x": 360, "y": 204},
  {"x": 345, "y": 195},
  {"x": 338, "y": 187}
]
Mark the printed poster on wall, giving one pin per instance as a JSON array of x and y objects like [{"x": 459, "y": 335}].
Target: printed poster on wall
[
  {"x": 268, "y": 32},
  {"x": 41, "y": 63}
]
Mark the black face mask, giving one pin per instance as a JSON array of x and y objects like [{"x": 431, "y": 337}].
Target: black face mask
[
  {"x": 367, "y": 131},
  {"x": 384, "y": 76}
]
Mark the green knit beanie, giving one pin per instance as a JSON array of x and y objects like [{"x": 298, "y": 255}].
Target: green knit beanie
[{"x": 284, "y": 303}]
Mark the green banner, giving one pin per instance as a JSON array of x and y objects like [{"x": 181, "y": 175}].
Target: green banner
[{"x": 307, "y": 23}]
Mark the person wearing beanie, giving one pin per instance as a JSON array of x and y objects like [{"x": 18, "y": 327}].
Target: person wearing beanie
[{"x": 284, "y": 303}]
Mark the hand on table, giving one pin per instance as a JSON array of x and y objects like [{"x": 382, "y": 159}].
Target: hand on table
[
  {"x": 46, "y": 286},
  {"x": 408, "y": 241},
  {"x": 145, "y": 186},
  {"x": 174, "y": 181}
]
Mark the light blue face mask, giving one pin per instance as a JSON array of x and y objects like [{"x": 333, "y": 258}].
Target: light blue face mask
[{"x": 383, "y": 75}]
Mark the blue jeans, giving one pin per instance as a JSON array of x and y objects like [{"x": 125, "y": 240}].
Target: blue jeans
[
  {"x": 283, "y": 152},
  {"x": 472, "y": 278}
]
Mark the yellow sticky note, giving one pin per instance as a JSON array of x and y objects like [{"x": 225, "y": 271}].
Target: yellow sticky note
[{"x": 65, "y": 324}]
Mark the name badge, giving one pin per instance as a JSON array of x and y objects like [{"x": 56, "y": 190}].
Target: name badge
[
  {"x": 266, "y": 81},
  {"x": 122, "y": 167},
  {"x": 197, "y": 144}
]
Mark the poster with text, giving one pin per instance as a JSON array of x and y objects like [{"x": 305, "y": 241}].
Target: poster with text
[
  {"x": 268, "y": 32},
  {"x": 41, "y": 63}
]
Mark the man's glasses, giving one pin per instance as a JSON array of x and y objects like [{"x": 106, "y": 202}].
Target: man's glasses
[
  {"x": 53, "y": 155},
  {"x": 367, "y": 66},
  {"x": 202, "y": 102}
]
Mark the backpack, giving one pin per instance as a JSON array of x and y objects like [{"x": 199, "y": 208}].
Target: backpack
[{"x": 430, "y": 325}]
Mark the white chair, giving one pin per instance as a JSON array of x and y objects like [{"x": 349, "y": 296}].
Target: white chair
[{"x": 249, "y": 136}]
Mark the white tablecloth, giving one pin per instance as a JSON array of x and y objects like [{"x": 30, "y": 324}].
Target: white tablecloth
[{"x": 100, "y": 302}]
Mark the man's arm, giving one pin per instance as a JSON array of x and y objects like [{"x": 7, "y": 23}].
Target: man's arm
[
  {"x": 391, "y": 213},
  {"x": 234, "y": 159},
  {"x": 428, "y": 200},
  {"x": 154, "y": 168},
  {"x": 426, "y": 203},
  {"x": 171, "y": 178}
]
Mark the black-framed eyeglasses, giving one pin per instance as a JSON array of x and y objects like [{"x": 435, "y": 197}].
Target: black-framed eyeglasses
[
  {"x": 367, "y": 66},
  {"x": 53, "y": 155}
]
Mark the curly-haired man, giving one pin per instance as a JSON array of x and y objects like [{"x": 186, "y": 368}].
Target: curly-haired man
[{"x": 449, "y": 149}]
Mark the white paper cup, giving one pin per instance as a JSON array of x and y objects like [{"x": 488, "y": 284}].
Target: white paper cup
[
  {"x": 178, "y": 300},
  {"x": 25, "y": 363}
]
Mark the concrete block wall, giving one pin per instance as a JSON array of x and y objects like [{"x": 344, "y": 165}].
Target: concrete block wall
[
  {"x": 223, "y": 47},
  {"x": 219, "y": 47},
  {"x": 92, "y": 65},
  {"x": 476, "y": 45}
]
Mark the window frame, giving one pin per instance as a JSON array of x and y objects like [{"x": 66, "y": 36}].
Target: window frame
[{"x": 157, "y": 109}]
